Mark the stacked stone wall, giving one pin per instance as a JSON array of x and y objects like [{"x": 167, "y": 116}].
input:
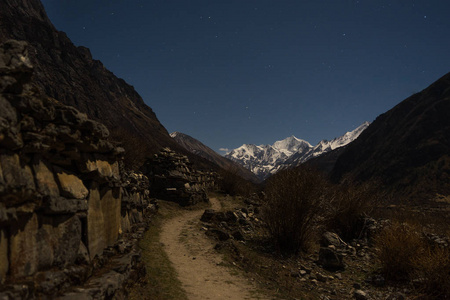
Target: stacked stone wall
[
  {"x": 64, "y": 197},
  {"x": 174, "y": 179}
]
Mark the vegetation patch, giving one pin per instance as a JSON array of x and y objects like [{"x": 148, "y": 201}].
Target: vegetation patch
[{"x": 161, "y": 281}]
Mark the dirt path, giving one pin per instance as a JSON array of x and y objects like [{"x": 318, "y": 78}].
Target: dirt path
[{"x": 197, "y": 263}]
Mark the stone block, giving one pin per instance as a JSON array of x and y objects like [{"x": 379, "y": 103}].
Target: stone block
[
  {"x": 125, "y": 223},
  {"x": 40, "y": 243},
  {"x": 15, "y": 174},
  {"x": 24, "y": 251},
  {"x": 2, "y": 180},
  {"x": 95, "y": 223},
  {"x": 111, "y": 200},
  {"x": 65, "y": 237},
  {"x": 4, "y": 261},
  {"x": 101, "y": 165},
  {"x": 104, "y": 219},
  {"x": 71, "y": 186},
  {"x": 60, "y": 205},
  {"x": 45, "y": 179}
]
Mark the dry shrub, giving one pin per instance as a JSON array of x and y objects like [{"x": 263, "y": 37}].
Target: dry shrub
[
  {"x": 231, "y": 183},
  {"x": 347, "y": 206},
  {"x": 294, "y": 203},
  {"x": 433, "y": 270},
  {"x": 399, "y": 245}
]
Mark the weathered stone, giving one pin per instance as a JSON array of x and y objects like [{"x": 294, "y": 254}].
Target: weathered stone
[
  {"x": 360, "y": 295},
  {"x": 330, "y": 259},
  {"x": 330, "y": 238},
  {"x": 103, "y": 219},
  {"x": 7, "y": 112},
  {"x": 103, "y": 168},
  {"x": 59, "y": 205},
  {"x": 71, "y": 186},
  {"x": 218, "y": 233},
  {"x": 45, "y": 179},
  {"x": 4, "y": 263},
  {"x": 125, "y": 223},
  {"x": 39, "y": 243},
  {"x": 208, "y": 215},
  {"x": 15, "y": 67},
  {"x": 16, "y": 175},
  {"x": 66, "y": 236},
  {"x": 2, "y": 181},
  {"x": 83, "y": 254},
  {"x": 24, "y": 253},
  {"x": 98, "y": 129}
]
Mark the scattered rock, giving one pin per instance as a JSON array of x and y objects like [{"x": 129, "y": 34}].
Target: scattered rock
[
  {"x": 330, "y": 259},
  {"x": 360, "y": 295}
]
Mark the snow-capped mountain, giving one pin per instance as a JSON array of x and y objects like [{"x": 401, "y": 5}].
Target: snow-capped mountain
[
  {"x": 265, "y": 160},
  {"x": 325, "y": 146}
]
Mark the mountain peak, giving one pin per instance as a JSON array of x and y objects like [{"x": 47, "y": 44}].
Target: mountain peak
[{"x": 265, "y": 160}]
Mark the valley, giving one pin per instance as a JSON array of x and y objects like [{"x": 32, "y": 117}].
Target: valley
[{"x": 99, "y": 201}]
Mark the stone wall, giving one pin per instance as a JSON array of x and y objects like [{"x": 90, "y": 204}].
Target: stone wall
[
  {"x": 64, "y": 197},
  {"x": 174, "y": 179}
]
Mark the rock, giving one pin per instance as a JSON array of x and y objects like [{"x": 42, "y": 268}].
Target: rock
[
  {"x": 15, "y": 67},
  {"x": 83, "y": 254},
  {"x": 360, "y": 295},
  {"x": 17, "y": 176},
  {"x": 330, "y": 238},
  {"x": 7, "y": 113},
  {"x": 45, "y": 179},
  {"x": 4, "y": 263},
  {"x": 238, "y": 235},
  {"x": 377, "y": 280},
  {"x": 60, "y": 205},
  {"x": 356, "y": 285},
  {"x": 208, "y": 215},
  {"x": 104, "y": 219},
  {"x": 219, "y": 234},
  {"x": 330, "y": 259},
  {"x": 396, "y": 296},
  {"x": 320, "y": 277},
  {"x": 71, "y": 186}
]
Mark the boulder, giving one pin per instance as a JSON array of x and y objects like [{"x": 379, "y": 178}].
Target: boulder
[
  {"x": 330, "y": 238},
  {"x": 330, "y": 259}
]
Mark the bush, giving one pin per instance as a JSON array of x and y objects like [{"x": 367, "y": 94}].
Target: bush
[
  {"x": 294, "y": 205},
  {"x": 433, "y": 270},
  {"x": 399, "y": 245},
  {"x": 231, "y": 183},
  {"x": 406, "y": 255},
  {"x": 347, "y": 206}
]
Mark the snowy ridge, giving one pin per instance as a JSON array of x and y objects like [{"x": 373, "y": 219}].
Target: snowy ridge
[{"x": 265, "y": 160}]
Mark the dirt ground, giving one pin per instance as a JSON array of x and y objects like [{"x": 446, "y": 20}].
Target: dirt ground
[{"x": 198, "y": 264}]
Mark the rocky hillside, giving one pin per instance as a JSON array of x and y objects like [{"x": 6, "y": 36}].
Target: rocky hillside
[
  {"x": 70, "y": 75},
  {"x": 406, "y": 149},
  {"x": 200, "y": 149}
]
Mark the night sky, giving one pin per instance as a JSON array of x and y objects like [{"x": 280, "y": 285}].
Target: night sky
[{"x": 232, "y": 72}]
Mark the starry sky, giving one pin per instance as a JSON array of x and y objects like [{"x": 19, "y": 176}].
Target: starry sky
[{"x": 256, "y": 71}]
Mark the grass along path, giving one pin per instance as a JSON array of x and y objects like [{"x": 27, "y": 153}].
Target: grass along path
[{"x": 161, "y": 280}]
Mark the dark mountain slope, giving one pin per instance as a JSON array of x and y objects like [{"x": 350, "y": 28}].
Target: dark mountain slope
[
  {"x": 70, "y": 75},
  {"x": 195, "y": 146},
  {"x": 406, "y": 149}
]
